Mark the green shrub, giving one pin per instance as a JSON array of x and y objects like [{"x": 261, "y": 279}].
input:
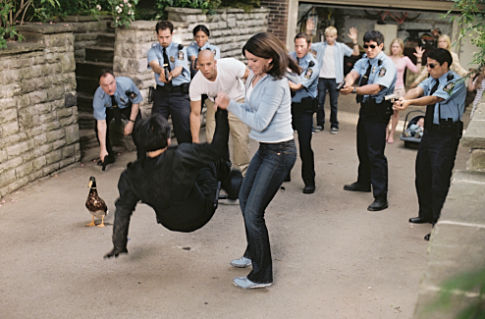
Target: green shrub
[{"x": 208, "y": 6}]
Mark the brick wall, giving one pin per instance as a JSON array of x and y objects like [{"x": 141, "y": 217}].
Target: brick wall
[
  {"x": 39, "y": 132},
  {"x": 278, "y": 17}
]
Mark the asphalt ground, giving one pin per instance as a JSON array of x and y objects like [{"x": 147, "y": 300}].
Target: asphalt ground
[{"x": 331, "y": 257}]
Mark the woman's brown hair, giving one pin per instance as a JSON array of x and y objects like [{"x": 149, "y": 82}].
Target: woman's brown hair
[{"x": 267, "y": 46}]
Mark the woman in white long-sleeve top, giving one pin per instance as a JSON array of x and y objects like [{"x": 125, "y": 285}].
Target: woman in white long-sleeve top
[{"x": 267, "y": 111}]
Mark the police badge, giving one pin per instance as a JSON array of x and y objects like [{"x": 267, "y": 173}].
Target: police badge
[
  {"x": 313, "y": 52},
  {"x": 382, "y": 72},
  {"x": 449, "y": 87},
  {"x": 172, "y": 59},
  {"x": 308, "y": 73},
  {"x": 214, "y": 52},
  {"x": 180, "y": 55}
]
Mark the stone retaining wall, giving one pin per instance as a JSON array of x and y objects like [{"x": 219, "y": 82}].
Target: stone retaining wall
[
  {"x": 230, "y": 29},
  {"x": 456, "y": 244},
  {"x": 39, "y": 131}
]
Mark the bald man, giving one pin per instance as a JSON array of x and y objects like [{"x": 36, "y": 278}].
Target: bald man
[{"x": 222, "y": 75}]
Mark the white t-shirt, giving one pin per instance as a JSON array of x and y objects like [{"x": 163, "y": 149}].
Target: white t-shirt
[
  {"x": 229, "y": 80},
  {"x": 328, "y": 66}
]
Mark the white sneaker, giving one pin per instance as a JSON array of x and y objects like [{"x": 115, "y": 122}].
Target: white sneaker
[
  {"x": 242, "y": 262},
  {"x": 245, "y": 283}
]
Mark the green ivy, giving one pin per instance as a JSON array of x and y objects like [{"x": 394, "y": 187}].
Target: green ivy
[
  {"x": 472, "y": 24},
  {"x": 208, "y": 6}
]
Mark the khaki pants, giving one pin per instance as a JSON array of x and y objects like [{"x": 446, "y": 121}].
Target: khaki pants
[{"x": 239, "y": 136}]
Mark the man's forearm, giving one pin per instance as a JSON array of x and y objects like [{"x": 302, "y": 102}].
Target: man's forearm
[
  {"x": 134, "y": 112},
  {"x": 101, "y": 125},
  {"x": 425, "y": 100},
  {"x": 176, "y": 72},
  {"x": 195, "y": 107}
]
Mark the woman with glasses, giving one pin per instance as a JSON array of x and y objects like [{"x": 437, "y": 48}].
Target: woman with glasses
[{"x": 267, "y": 111}]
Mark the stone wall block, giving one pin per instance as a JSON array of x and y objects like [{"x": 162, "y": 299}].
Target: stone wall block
[
  {"x": 3, "y": 155},
  {"x": 17, "y": 184},
  {"x": 72, "y": 134},
  {"x": 39, "y": 162},
  {"x": 15, "y": 138},
  {"x": 49, "y": 169},
  {"x": 477, "y": 160},
  {"x": 24, "y": 169},
  {"x": 7, "y": 177},
  {"x": 55, "y": 93},
  {"x": 10, "y": 164},
  {"x": 42, "y": 150},
  {"x": 55, "y": 135},
  {"x": 9, "y": 128},
  {"x": 8, "y": 115},
  {"x": 53, "y": 157}
]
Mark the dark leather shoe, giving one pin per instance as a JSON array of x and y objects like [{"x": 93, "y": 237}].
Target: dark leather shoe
[
  {"x": 309, "y": 189},
  {"x": 356, "y": 187},
  {"x": 426, "y": 237},
  {"x": 378, "y": 204},
  {"x": 418, "y": 220}
]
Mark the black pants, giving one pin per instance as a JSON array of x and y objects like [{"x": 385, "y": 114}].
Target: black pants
[
  {"x": 302, "y": 123},
  {"x": 117, "y": 115},
  {"x": 371, "y": 143},
  {"x": 174, "y": 102},
  {"x": 434, "y": 165}
]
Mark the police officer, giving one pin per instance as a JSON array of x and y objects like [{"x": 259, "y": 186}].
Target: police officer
[
  {"x": 115, "y": 99},
  {"x": 377, "y": 75},
  {"x": 201, "y": 42},
  {"x": 444, "y": 94},
  {"x": 168, "y": 60},
  {"x": 303, "y": 105}
]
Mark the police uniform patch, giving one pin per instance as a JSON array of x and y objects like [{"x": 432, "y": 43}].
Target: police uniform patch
[
  {"x": 308, "y": 73},
  {"x": 214, "y": 52},
  {"x": 382, "y": 72},
  {"x": 449, "y": 87},
  {"x": 131, "y": 94},
  {"x": 172, "y": 59},
  {"x": 313, "y": 52},
  {"x": 180, "y": 55}
]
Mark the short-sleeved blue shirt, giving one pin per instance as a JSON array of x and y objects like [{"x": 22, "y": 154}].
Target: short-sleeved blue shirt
[
  {"x": 383, "y": 72},
  {"x": 177, "y": 56},
  {"x": 126, "y": 93},
  {"x": 193, "y": 50},
  {"x": 308, "y": 77},
  {"x": 452, "y": 89}
]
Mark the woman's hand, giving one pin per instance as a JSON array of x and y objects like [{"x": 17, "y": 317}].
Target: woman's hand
[
  {"x": 222, "y": 100},
  {"x": 419, "y": 53}
]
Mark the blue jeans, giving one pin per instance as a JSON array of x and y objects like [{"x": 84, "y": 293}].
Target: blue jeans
[
  {"x": 266, "y": 172},
  {"x": 331, "y": 86}
]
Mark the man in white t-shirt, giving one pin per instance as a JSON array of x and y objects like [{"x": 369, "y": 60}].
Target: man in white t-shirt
[{"x": 222, "y": 75}]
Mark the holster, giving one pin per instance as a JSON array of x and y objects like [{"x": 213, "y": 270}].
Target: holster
[{"x": 380, "y": 112}]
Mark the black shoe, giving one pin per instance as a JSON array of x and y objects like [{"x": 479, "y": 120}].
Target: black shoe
[
  {"x": 378, "y": 204},
  {"x": 426, "y": 237},
  {"x": 356, "y": 187},
  {"x": 418, "y": 220},
  {"x": 309, "y": 189}
]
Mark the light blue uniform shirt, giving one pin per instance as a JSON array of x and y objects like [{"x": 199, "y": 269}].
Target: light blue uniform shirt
[
  {"x": 308, "y": 77},
  {"x": 452, "y": 89},
  {"x": 126, "y": 93},
  {"x": 341, "y": 50},
  {"x": 267, "y": 111},
  {"x": 177, "y": 57},
  {"x": 383, "y": 72},
  {"x": 193, "y": 50}
]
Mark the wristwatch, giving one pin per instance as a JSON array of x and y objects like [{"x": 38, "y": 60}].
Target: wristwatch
[{"x": 354, "y": 90}]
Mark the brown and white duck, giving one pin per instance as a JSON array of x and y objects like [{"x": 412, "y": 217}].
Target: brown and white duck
[{"x": 95, "y": 204}]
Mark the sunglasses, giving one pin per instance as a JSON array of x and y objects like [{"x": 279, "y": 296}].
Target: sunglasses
[
  {"x": 372, "y": 46},
  {"x": 431, "y": 65}
]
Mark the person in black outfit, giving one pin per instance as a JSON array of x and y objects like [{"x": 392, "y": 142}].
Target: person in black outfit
[
  {"x": 443, "y": 93},
  {"x": 180, "y": 183}
]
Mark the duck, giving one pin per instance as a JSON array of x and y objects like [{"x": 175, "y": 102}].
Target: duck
[{"x": 95, "y": 204}]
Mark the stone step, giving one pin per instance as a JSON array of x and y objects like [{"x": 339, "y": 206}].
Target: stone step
[
  {"x": 92, "y": 69},
  {"x": 106, "y": 39},
  {"x": 84, "y": 102},
  {"x": 100, "y": 54},
  {"x": 89, "y": 144},
  {"x": 86, "y": 85},
  {"x": 86, "y": 120}
]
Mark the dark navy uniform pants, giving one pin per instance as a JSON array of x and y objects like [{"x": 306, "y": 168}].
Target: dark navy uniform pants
[
  {"x": 302, "y": 123},
  {"x": 371, "y": 143},
  {"x": 434, "y": 164},
  {"x": 174, "y": 102}
]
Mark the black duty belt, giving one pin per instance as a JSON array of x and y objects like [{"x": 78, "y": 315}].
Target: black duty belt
[{"x": 183, "y": 88}]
